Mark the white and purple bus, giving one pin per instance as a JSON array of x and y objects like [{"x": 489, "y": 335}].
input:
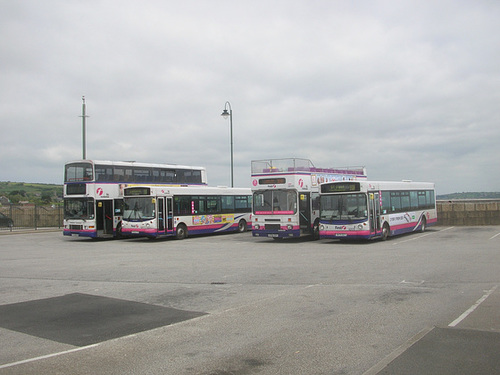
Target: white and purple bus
[
  {"x": 156, "y": 212},
  {"x": 286, "y": 195},
  {"x": 93, "y": 191},
  {"x": 371, "y": 209}
]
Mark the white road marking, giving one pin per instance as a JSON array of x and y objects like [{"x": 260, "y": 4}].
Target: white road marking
[
  {"x": 397, "y": 352},
  {"x": 48, "y": 356},
  {"x": 420, "y": 282},
  {"x": 496, "y": 235},
  {"x": 472, "y": 308},
  {"x": 424, "y": 235}
]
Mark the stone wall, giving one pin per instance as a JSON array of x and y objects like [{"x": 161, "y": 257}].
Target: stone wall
[{"x": 469, "y": 212}]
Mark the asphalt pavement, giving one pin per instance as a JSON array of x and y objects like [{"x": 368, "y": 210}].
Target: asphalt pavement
[
  {"x": 468, "y": 345},
  {"x": 232, "y": 304}
]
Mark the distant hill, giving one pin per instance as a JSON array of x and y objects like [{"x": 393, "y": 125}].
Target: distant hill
[
  {"x": 49, "y": 193},
  {"x": 17, "y": 192},
  {"x": 473, "y": 195}
]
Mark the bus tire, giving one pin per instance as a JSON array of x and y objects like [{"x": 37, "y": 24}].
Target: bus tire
[
  {"x": 242, "y": 226},
  {"x": 423, "y": 225},
  {"x": 315, "y": 233},
  {"x": 181, "y": 232},
  {"x": 119, "y": 234},
  {"x": 385, "y": 232}
]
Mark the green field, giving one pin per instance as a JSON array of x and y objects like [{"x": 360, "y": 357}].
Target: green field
[{"x": 31, "y": 192}]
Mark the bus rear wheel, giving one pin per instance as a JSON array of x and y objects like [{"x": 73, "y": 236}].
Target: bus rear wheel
[
  {"x": 119, "y": 234},
  {"x": 315, "y": 232},
  {"x": 242, "y": 226},
  {"x": 181, "y": 232},
  {"x": 385, "y": 232},
  {"x": 423, "y": 225}
]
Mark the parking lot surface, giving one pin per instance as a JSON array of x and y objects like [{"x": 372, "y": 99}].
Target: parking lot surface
[{"x": 233, "y": 304}]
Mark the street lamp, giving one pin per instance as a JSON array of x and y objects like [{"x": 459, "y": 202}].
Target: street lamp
[
  {"x": 84, "y": 130},
  {"x": 229, "y": 114}
]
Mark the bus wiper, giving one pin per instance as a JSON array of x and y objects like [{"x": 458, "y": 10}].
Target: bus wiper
[
  {"x": 339, "y": 208},
  {"x": 137, "y": 212}
]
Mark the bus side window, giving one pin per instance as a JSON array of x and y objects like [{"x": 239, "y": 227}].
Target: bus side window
[
  {"x": 386, "y": 202},
  {"x": 315, "y": 201}
]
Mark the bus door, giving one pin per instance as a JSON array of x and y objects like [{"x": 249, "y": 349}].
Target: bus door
[
  {"x": 305, "y": 212},
  {"x": 170, "y": 214},
  {"x": 104, "y": 217},
  {"x": 374, "y": 209},
  {"x": 161, "y": 215},
  {"x": 117, "y": 215}
]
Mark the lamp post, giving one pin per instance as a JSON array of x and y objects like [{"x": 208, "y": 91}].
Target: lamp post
[
  {"x": 229, "y": 114},
  {"x": 84, "y": 130}
]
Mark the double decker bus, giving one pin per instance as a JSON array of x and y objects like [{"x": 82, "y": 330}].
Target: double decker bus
[
  {"x": 93, "y": 191},
  {"x": 178, "y": 211},
  {"x": 370, "y": 209},
  {"x": 286, "y": 195}
]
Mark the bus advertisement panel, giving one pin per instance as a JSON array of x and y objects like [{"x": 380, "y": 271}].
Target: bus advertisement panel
[
  {"x": 178, "y": 211},
  {"x": 93, "y": 191},
  {"x": 370, "y": 209},
  {"x": 286, "y": 195}
]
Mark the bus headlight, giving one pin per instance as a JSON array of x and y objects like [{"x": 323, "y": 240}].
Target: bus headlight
[
  {"x": 360, "y": 227},
  {"x": 321, "y": 227},
  {"x": 289, "y": 227},
  {"x": 256, "y": 226}
]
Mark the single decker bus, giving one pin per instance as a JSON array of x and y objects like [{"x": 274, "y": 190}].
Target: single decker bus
[
  {"x": 93, "y": 191},
  {"x": 370, "y": 209},
  {"x": 286, "y": 195},
  {"x": 156, "y": 212}
]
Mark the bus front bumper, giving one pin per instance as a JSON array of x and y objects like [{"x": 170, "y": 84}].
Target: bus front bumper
[
  {"x": 285, "y": 233},
  {"x": 80, "y": 233}
]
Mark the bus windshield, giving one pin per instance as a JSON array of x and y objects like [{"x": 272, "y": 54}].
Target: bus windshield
[
  {"x": 79, "y": 208},
  {"x": 138, "y": 209},
  {"x": 344, "y": 207},
  {"x": 275, "y": 201},
  {"x": 78, "y": 172}
]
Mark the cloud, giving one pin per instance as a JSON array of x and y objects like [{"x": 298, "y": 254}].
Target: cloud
[{"x": 410, "y": 90}]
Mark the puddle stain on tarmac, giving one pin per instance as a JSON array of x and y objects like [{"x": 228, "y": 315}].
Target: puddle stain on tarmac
[{"x": 82, "y": 319}]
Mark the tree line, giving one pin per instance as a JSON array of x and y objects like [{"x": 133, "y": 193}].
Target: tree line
[{"x": 17, "y": 192}]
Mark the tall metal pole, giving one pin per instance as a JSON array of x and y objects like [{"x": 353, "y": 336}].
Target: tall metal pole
[
  {"x": 232, "y": 159},
  {"x": 225, "y": 114},
  {"x": 84, "y": 130}
]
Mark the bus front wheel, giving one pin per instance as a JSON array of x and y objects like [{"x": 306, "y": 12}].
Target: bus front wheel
[{"x": 181, "y": 232}]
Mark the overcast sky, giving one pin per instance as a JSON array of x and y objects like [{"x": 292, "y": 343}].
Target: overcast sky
[{"x": 409, "y": 89}]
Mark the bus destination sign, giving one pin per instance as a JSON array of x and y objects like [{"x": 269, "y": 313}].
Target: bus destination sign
[
  {"x": 272, "y": 181},
  {"x": 137, "y": 191},
  {"x": 340, "y": 187}
]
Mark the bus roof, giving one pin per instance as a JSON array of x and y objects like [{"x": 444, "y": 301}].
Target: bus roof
[
  {"x": 292, "y": 165},
  {"x": 134, "y": 163},
  {"x": 381, "y": 185}
]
